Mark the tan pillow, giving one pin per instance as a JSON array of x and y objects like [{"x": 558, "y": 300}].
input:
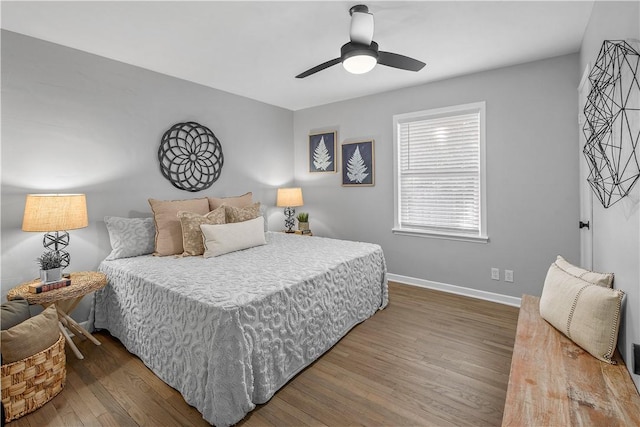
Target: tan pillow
[
  {"x": 586, "y": 313},
  {"x": 191, "y": 233},
  {"x": 31, "y": 336},
  {"x": 601, "y": 279},
  {"x": 234, "y": 214},
  {"x": 168, "y": 229},
  {"x": 236, "y": 201}
]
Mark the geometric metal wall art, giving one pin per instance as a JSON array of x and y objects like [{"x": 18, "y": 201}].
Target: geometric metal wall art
[
  {"x": 612, "y": 126},
  {"x": 190, "y": 156}
]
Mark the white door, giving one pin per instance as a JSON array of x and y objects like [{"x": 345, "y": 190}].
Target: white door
[{"x": 586, "y": 196}]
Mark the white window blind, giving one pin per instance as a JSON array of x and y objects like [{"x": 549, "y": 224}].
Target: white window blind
[{"x": 439, "y": 182}]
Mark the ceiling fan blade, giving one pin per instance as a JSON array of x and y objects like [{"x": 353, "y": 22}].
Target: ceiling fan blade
[
  {"x": 361, "y": 30},
  {"x": 399, "y": 61},
  {"x": 318, "y": 68}
]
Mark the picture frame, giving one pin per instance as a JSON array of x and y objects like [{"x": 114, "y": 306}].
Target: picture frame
[
  {"x": 322, "y": 152},
  {"x": 358, "y": 163}
]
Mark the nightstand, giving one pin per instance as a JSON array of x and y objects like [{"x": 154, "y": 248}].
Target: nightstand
[
  {"x": 299, "y": 233},
  {"x": 66, "y": 300}
]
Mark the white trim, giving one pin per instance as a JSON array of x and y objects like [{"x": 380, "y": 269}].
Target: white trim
[
  {"x": 585, "y": 77},
  {"x": 584, "y": 189},
  {"x": 445, "y": 236},
  {"x": 484, "y": 232},
  {"x": 457, "y": 290}
]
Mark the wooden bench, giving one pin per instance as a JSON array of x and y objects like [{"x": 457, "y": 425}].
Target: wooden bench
[{"x": 553, "y": 382}]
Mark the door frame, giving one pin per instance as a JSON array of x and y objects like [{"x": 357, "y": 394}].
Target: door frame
[{"x": 586, "y": 194}]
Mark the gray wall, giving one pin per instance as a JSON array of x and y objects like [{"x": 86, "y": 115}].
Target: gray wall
[
  {"x": 532, "y": 171},
  {"x": 616, "y": 230},
  {"x": 76, "y": 122}
]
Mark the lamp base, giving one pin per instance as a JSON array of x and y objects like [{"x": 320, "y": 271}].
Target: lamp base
[
  {"x": 56, "y": 242},
  {"x": 289, "y": 222}
]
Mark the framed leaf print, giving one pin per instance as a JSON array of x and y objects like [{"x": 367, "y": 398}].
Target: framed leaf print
[
  {"x": 358, "y": 163},
  {"x": 322, "y": 152}
]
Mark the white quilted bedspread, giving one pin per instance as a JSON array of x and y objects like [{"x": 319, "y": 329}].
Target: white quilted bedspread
[{"x": 228, "y": 332}]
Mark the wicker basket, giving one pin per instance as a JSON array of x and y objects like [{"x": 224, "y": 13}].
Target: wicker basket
[{"x": 30, "y": 383}]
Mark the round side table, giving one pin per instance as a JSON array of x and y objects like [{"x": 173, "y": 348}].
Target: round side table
[{"x": 66, "y": 300}]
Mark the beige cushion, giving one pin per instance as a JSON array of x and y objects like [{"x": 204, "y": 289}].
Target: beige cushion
[
  {"x": 601, "y": 279},
  {"x": 14, "y": 312},
  {"x": 31, "y": 336},
  {"x": 225, "y": 238},
  {"x": 586, "y": 313},
  {"x": 191, "y": 233},
  {"x": 168, "y": 239},
  {"x": 235, "y": 201},
  {"x": 234, "y": 214}
]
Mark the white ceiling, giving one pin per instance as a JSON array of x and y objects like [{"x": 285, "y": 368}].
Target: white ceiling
[{"x": 255, "y": 49}]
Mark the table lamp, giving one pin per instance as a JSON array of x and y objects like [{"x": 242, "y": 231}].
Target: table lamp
[
  {"x": 289, "y": 199},
  {"x": 54, "y": 214}
]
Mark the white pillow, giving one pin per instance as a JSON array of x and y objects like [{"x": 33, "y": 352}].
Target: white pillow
[
  {"x": 586, "y": 313},
  {"x": 600, "y": 279},
  {"x": 130, "y": 236},
  {"x": 220, "y": 239}
]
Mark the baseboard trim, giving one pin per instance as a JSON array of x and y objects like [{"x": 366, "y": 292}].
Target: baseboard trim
[{"x": 453, "y": 289}]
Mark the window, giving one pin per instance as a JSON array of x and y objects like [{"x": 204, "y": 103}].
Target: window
[{"x": 440, "y": 173}]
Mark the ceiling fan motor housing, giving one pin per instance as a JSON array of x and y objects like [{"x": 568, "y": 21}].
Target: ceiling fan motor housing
[
  {"x": 355, "y": 49},
  {"x": 359, "y": 8}
]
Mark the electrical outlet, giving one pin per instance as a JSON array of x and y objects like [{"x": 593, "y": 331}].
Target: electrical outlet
[
  {"x": 636, "y": 359},
  {"x": 495, "y": 273},
  {"x": 508, "y": 276}
]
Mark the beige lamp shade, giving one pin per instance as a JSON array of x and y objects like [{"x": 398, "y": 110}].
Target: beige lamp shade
[
  {"x": 55, "y": 212},
  {"x": 289, "y": 197}
]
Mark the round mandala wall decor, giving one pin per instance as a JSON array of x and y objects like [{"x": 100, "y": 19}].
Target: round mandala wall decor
[{"x": 190, "y": 156}]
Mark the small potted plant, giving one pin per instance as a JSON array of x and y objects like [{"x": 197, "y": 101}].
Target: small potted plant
[
  {"x": 303, "y": 221},
  {"x": 50, "y": 267}
]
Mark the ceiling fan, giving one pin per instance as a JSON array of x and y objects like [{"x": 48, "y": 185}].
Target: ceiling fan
[{"x": 361, "y": 54}]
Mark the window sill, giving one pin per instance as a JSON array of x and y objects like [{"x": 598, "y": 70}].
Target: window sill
[{"x": 434, "y": 235}]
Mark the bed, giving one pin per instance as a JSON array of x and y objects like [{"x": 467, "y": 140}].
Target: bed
[{"x": 228, "y": 332}]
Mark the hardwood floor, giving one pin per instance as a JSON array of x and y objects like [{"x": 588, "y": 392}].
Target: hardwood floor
[{"x": 428, "y": 359}]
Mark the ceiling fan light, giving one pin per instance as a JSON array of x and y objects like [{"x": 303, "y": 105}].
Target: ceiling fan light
[{"x": 359, "y": 64}]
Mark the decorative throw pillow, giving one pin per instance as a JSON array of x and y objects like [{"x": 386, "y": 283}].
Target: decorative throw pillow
[
  {"x": 246, "y": 213},
  {"x": 602, "y": 279},
  {"x": 31, "y": 336},
  {"x": 130, "y": 236},
  {"x": 586, "y": 313},
  {"x": 191, "y": 232},
  {"x": 225, "y": 238},
  {"x": 14, "y": 312},
  {"x": 168, "y": 239},
  {"x": 235, "y": 201}
]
